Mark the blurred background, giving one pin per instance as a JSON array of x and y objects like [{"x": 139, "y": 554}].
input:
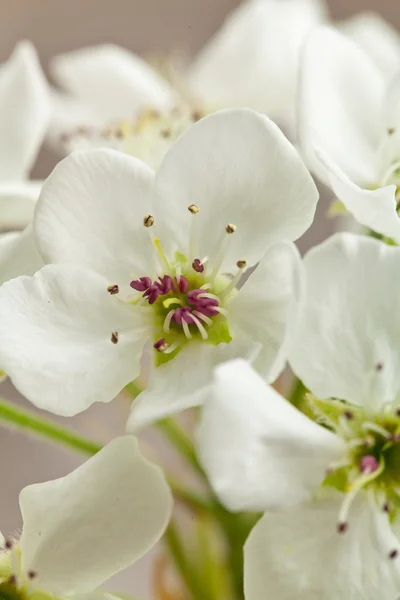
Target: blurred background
[{"x": 153, "y": 26}]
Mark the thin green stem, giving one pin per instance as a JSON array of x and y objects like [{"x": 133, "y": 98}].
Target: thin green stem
[
  {"x": 190, "y": 497},
  {"x": 181, "y": 442},
  {"x": 27, "y": 421},
  {"x": 296, "y": 394}
]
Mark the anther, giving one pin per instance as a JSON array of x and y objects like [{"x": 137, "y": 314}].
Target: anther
[
  {"x": 386, "y": 507},
  {"x": 391, "y": 130},
  {"x": 241, "y": 263},
  {"x": 342, "y": 527},
  {"x": 348, "y": 415},
  {"x": 397, "y": 412},
  {"x": 114, "y": 337},
  {"x": 148, "y": 221},
  {"x": 32, "y": 574},
  {"x": 196, "y": 116},
  {"x": 8, "y": 544},
  {"x": 230, "y": 228},
  {"x": 142, "y": 284},
  {"x": 393, "y": 554},
  {"x": 379, "y": 366},
  {"x": 113, "y": 289},
  {"x": 161, "y": 345},
  {"x": 197, "y": 265},
  {"x": 166, "y": 133},
  {"x": 194, "y": 209},
  {"x": 369, "y": 464},
  {"x": 183, "y": 285},
  {"x": 12, "y": 580}
]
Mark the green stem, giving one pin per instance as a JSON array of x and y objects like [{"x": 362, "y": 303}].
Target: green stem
[
  {"x": 190, "y": 497},
  {"x": 181, "y": 442},
  {"x": 297, "y": 392},
  {"x": 25, "y": 420}
]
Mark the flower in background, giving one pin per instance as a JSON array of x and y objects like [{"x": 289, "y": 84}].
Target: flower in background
[
  {"x": 333, "y": 486},
  {"x": 349, "y": 124},
  {"x": 142, "y": 259},
  {"x": 24, "y": 117},
  {"x": 81, "y": 529},
  {"x": 115, "y": 99}
]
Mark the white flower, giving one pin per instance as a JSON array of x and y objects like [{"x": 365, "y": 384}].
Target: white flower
[
  {"x": 349, "y": 128},
  {"x": 83, "y": 528},
  {"x": 232, "y": 192},
  {"x": 115, "y": 99},
  {"x": 24, "y": 116},
  {"x": 341, "y": 539}
]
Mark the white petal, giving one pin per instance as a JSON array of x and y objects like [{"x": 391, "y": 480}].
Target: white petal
[
  {"x": 377, "y": 37},
  {"x": 111, "y": 80},
  {"x": 253, "y": 59},
  {"x": 299, "y": 554},
  {"x": 345, "y": 344},
  {"x": 17, "y": 203},
  {"x": 239, "y": 168},
  {"x": 55, "y": 339},
  {"x": 265, "y": 307},
  {"x": 375, "y": 209},
  {"x": 248, "y": 428},
  {"x": 341, "y": 99},
  {"x": 81, "y": 529},
  {"x": 18, "y": 255},
  {"x": 24, "y": 111},
  {"x": 90, "y": 213},
  {"x": 184, "y": 382}
]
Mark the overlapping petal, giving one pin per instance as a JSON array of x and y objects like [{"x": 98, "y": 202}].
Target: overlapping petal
[
  {"x": 56, "y": 338},
  {"x": 17, "y": 203},
  {"x": 259, "y": 451},
  {"x": 345, "y": 343},
  {"x": 298, "y": 553},
  {"x": 81, "y": 529},
  {"x": 18, "y": 254},
  {"x": 238, "y": 168}
]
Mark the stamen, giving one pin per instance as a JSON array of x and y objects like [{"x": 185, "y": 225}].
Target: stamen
[
  {"x": 194, "y": 209},
  {"x": 369, "y": 426},
  {"x": 241, "y": 264},
  {"x": 197, "y": 266},
  {"x": 221, "y": 254},
  {"x": 167, "y": 321},
  {"x": 369, "y": 464},
  {"x": 183, "y": 285},
  {"x": 221, "y": 310},
  {"x": 170, "y": 301},
  {"x": 114, "y": 337},
  {"x": 141, "y": 285},
  {"x": 32, "y": 574},
  {"x": 203, "y": 317},
  {"x": 148, "y": 221},
  {"x": 161, "y": 345},
  {"x": 171, "y": 348},
  {"x": 393, "y": 554},
  {"x": 161, "y": 254},
  {"x": 186, "y": 329},
  {"x": 113, "y": 289},
  {"x": 200, "y": 327},
  {"x": 232, "y": 284},
  {"x": 391, "y": 130},
  {"x": 230, "y": 228}
]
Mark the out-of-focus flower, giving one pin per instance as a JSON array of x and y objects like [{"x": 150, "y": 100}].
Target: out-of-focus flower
[
  {"x": 24, "y": 116},
  {"x": 333, "y": 486},
  {"x": 349, "y": 124},
  {"x": 81, "y": 529},
  {"x": 116, "y": 99},
  {"x": 230, "y": 194}
]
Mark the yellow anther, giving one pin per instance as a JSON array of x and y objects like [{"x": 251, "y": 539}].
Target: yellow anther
[
  {"x": 241, "y": 263},
  {"x": 230, "y": 228},
  {"x": 114, "y": 337},
  {"x": 148, "y": 221},
  {"x": 193, "y": 208}
]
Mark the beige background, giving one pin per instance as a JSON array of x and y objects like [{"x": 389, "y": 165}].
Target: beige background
[{"x": 142, "y": 25}]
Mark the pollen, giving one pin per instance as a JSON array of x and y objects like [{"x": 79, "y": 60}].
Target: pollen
[
  {"x": 113, "y": 289},
  {"x": 241, "y": 264},
  {"x": 114, "y": 337},
  {"x": 194, "y": 209},
  {"x": 148, "y": 221},
  {"x": 230, "y": 228}
]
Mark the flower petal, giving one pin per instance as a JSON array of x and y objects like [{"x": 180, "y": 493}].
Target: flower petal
[
  {"x": 24, "y": 111},
  {"x": 375, "y": 209},
  {"x": 184, "y": 382},
  {"x": 90, "y": 213},
  {"x": 340, "y": 103},
  {"x": 55, "y": 339},
  {"x": 248, "y": 428},
  {"x": 18, "y": 254},
  {"x": 81, "y": 529},
  {"x": 17, "y": 203},
  {"x": 238, "y": 168},
  {"x": 298, "y": 554},
  {"x": 252, "y": 60},
  {"x": 111, "y": 80},
  {"x": 377, "y": 37},
  {"x": 264, "y": 308},
  {"x": 345, "y": 344}
]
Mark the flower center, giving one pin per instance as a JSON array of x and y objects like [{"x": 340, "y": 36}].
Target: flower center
[{"x": 13, "y": 584}]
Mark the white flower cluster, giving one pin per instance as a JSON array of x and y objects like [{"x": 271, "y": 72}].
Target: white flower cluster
[{"x": 160, "y": 251}]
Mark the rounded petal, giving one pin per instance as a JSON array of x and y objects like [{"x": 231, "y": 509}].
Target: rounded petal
[
  {"x": 248, "y": 428},
  {"x": 298, "y": 554},
  {"x": 81, "y": 529},
  {"x": 17, "y": 203},
  {"x": 340, "y": 104},
  {"x": 346, "y": 341},
  {"x": 252, "y": 60},
  {"x": 184, "y": 381},
  {"x": 237, "y": 167},
  {"x": 264, "y": 308},
  {"x": 18, "y": 254},
  {"x": 111, "y": 80},
  {"x": 56, "y": 339},
  {"x": 24, "y": 111},
  {"x": 377, "y": 37},
  {"x": 90, "y": 213}
]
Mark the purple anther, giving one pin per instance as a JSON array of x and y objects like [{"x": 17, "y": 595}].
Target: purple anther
[
  {"x": 197, "y": 265},
  {"x": 160, "y": 345},
  {"x": 152, "y": 293},
  {"x": 368, "y": 464},
  {"x": 193, "y": 296},
  {"x": 183, "y": 284},
  {"x": 183, "y": 314},
  {"x": 208, "y": 309},
  {"x": 164, "y": 284},
  {"x": 142, "y": 284}
]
